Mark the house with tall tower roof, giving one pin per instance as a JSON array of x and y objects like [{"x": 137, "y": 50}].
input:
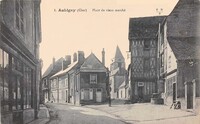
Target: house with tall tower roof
[{"x": 117, "y": 74}]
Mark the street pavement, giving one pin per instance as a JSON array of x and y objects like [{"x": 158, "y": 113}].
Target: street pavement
[
  {"x": 118, "y": 113},
  {"x": 68, "y": 114},
  {"x": 147, "y": 113}
]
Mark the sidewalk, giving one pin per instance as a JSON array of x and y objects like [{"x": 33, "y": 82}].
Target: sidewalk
[
  {"x": 43, "y": 116},
  {"x": 146, "y": 113}
]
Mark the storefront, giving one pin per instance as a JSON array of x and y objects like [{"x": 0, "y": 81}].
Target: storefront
[{"x": 17, "y": 87}]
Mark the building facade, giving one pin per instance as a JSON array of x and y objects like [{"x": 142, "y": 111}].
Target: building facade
[
  {"x": 181, "y": 57},
  {"x": 143, "y": 48},
  {"x": 92, "y": 81},
  {"x": 55, "y": 67},
  {"x": 82, "y": 82},
  {"x": 167, "y": 67},
  {"x": 20, "y": 67},
  {"x": 118, "y": 74}
]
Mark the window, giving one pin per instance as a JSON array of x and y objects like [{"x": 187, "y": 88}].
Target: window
[
  {"x": 91, "y": 94},
  {"x": 146, "y": 44},
  {"x": 82, "y": 94},
  {"x": 66, "y": 82},
  {"x": 162, "y": 60},
  {"x": 4, "y": 78},
  {"x": 93, "y": 78},
  {"x": 86, "y": 94},
  {"x": 19, "y": 15},
  {"x": 146, "y": 65},
  {"x": 99, "y": 90},
  {"x": 72, "y": 92},
  {"x": 51, "y": 83},
  {"x": 27, "y": 87}
]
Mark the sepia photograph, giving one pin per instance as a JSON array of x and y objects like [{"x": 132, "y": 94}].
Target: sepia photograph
[{"x": 100, "y": 62}]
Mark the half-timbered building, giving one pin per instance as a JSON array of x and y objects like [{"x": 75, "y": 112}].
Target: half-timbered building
[{"x": 143, "y": 48}]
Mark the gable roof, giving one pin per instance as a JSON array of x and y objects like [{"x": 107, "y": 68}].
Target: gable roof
[
  {"x": 144, "y": 27},
  {"x": 52, "y": 70},
  {"x": 183, "y": 20},
  {"x": 71, "y": 66},
  {"x": 118, "y": 53},
  {"x": 92, "y": 64},
  {"x": 182, "y": 29}
]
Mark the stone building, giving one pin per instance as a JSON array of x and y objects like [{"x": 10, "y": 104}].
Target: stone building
[
  {"x": 53, "y": 68},
  {"x": 167, "y": 67},
  {"x": 117, "y": 74},
  {"x": 20, "y": 67},
  {"x": 82, "y": 82},
  {"x": 180, "y": 35},
  {"x": 143, "y": 48}
]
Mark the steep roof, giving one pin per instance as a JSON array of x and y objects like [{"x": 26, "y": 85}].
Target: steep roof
[
  {"x": 91, "y": 64},
  {"x": 183, "y": 20},
  {"x": 118, "y": 53},
  {"x": 52, "y": 70},
  {"x": 144, "y": 27},
  {"x": 71, "y": 66},
  {"x": 182, "y": 29}
]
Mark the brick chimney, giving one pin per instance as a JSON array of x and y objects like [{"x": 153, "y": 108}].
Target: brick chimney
[
  {"x": 63, "y": 64},
  {"x": 103, "y": 57},
  {"x": 68, "y": 59},
  {"x": 53, "y": 62},
  {"x": 75, "y": 57},
  {"x": 81, "y": 56}
]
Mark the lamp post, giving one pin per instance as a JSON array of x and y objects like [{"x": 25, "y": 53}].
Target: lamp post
[{"x": 108, "y": 87}]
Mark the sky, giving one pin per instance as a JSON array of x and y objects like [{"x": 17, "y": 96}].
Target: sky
[{"x": 91, "y": 25}]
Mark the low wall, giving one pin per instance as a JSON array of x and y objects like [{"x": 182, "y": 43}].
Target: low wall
[
  {"x": 197, "y": 107},
  {"x": 28, "y": 115},
  {"x": 7, "y": 118}
]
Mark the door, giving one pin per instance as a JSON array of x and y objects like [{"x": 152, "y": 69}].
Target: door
[
  {"x": 189, "y": 96},
  {"x": 140, "y": 92},
  {"x": 98, "y": 95},
  {"x": 66, "y": 96},
  {"x": 86, "y": 94}
]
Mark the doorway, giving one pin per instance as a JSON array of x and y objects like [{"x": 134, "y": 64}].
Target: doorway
[
  {"x": 140, "y": 93},
  {"x": 189, "y": 95},
  {"x": 66, "y": 96},
  {"x": 99, "y": 95}
]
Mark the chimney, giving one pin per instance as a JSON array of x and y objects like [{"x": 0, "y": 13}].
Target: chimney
[
  {"x": 68, "y": 59},
  {"x": 53, "y": 62},
  {"x": 81, "y": 56},
  {"x": 103, "y": 57},
  {"x": 63, "y": 64},
  {"x": 75, "y": 57}
]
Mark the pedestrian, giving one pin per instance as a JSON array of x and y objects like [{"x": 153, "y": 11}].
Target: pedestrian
[{"x": 109, "y": 100}]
